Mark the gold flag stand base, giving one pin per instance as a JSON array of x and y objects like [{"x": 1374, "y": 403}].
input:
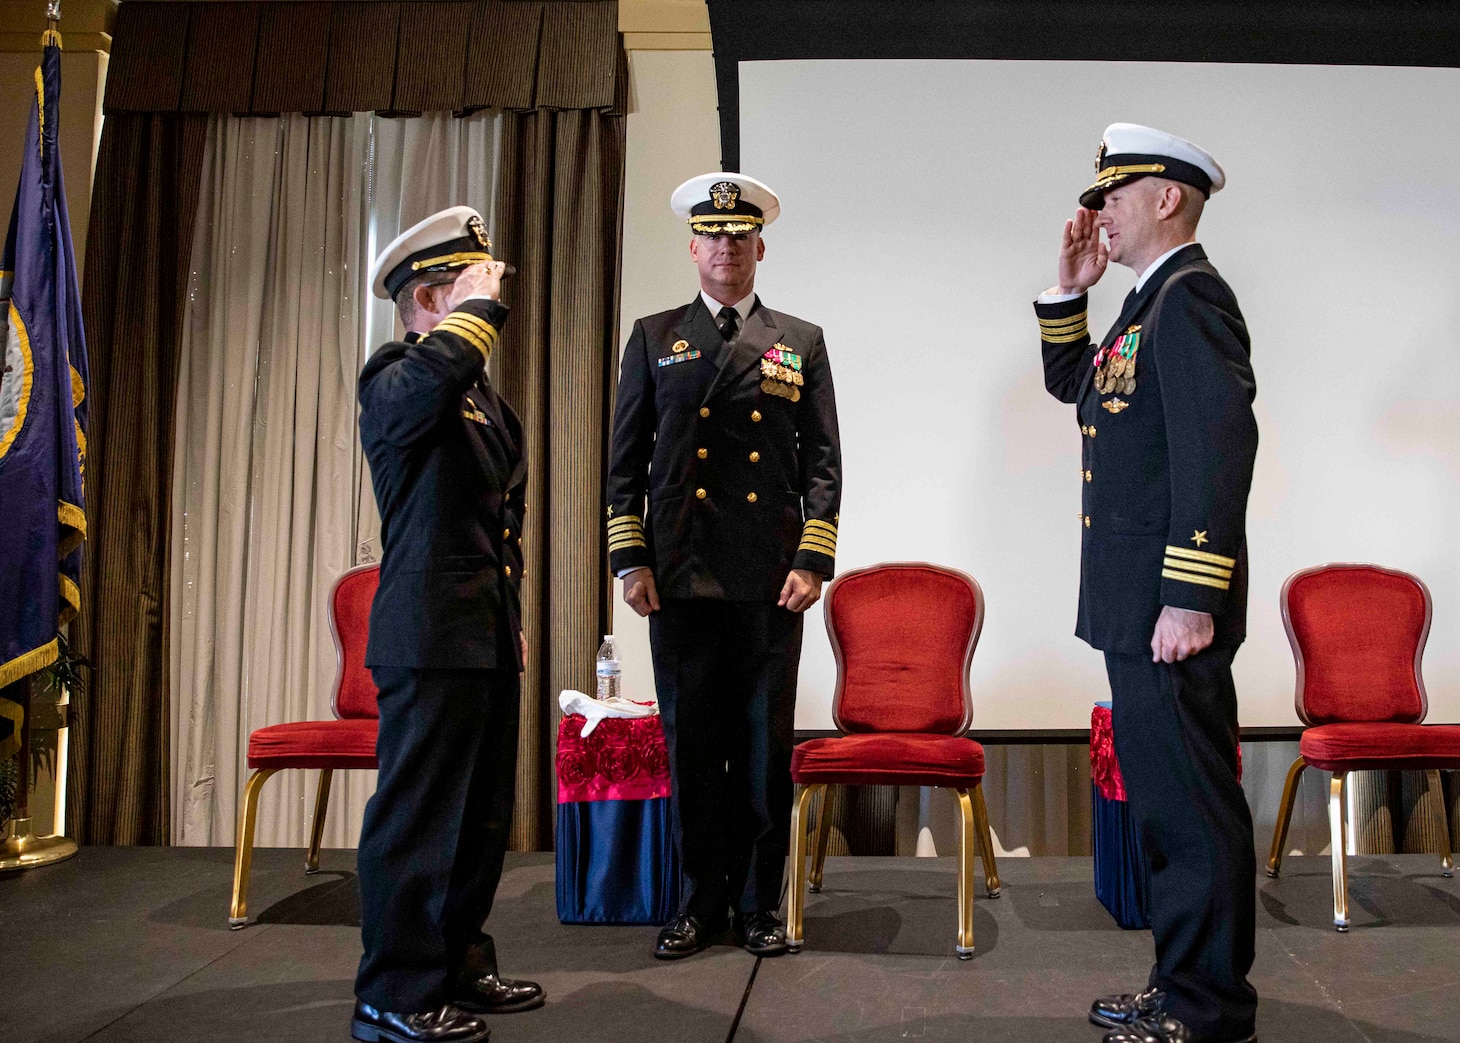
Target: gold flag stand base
[{"x": 20, "y": 849}]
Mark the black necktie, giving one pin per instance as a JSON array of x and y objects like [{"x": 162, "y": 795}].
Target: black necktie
[{"x": 729, "y": 323}]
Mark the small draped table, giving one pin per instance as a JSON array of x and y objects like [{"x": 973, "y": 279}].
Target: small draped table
[{"x": 616, "y": 859}]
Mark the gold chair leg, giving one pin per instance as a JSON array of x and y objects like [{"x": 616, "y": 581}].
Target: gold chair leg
[
  {"x": 795, "y": 900},
  {"x": 1338, "y": 841},
  {"x": 1285, "y": 818},
  {"x": 823, "y": 834},
  {"x": 243, "y": 847},
  {"x": 964, "y": 945},
  {"x": 1437, "y": 788},
  {"x": 316, "y": 835},
  {"x": 985, "y": 843}
]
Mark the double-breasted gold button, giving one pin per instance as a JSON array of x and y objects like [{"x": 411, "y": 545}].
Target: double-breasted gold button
[
  {"x": 704, "y": 411},
  {"x": 702, "y": 453},
  {"x": 750, "y": 497},
  {"x": 700, "y": 494},
  {"x": 755, "y": 416},
  {"x": 1089, "y": 475},
  {"x": 506, "y": 534},
  {"x": 1084, "y": 430},
  {"x": 1092, "y": 430},
  {"x": 507, "y": 569},
  {"x": 754, "y": 457}
]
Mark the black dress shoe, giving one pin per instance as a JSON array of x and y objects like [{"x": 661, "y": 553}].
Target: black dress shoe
[
  {"x": 494, "y": 994},
  {"x": 1165, "y": 1029},
  {"x": 1112, "y": 1012},
  {"x": 683, "y": 936},
  {"x": 447, "y": 1025},
  {"x": 482, "y": 990},
  {"x": 761, "y": 933}
]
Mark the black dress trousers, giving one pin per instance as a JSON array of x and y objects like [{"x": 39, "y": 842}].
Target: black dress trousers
[
  {"x": 726, "y": 677},
  {"x": 1176, "y": 739},
  {"x": 436, "y": 830}
]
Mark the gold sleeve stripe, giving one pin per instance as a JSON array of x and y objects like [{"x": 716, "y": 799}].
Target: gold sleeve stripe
[
  {"x": 468, "y": 335},
  {"x": 467, "y": 317},
  {"x": 1192, "y": 566},
  {"x": 1083, "y": 333},
  {"x": 625, "y": 544},
  {"x": 1066, "y": 324},
  {"x": 487, "y": 334},
  {"x": 1201, "y": 555},
  {"x": 1205, "y": 581},
  {"x": 631, "y": 526},
  {"x": 813, "y": 543},
  {"x": 816, "y": 525},
  {"x": 625, "y": 519}
]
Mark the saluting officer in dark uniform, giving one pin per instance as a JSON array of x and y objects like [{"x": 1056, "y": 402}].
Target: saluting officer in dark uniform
[
  {"x": 1165, "y": 411},
  {"x": 446, "y": 642},
  {"x": 726, "y": 426}
]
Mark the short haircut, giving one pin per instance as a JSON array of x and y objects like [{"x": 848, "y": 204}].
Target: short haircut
[{"x": 405, "y": 297}]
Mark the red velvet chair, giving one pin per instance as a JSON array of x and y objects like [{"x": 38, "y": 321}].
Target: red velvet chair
[
  {"x": 903, "y": 636},
  {"x": 346, "y": 742},
  {"x": 1358, "y": 633}
]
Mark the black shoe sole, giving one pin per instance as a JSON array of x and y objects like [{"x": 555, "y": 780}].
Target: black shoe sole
[
  {"x": 506, "y": 1008},
  {"x": 677, "y": 954},
  {"x": 777, "y": 949},
  {"x": 1108, "y": 1023},
  {"x": 368, "y": 1033}
]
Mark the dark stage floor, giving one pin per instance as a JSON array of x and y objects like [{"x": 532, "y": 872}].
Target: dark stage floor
[{"x": 132, "y": 944}]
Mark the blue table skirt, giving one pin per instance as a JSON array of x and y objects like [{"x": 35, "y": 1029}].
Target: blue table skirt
[
  {"x": 1122, "y": 877},
  {"x": 616, "y": 862}
]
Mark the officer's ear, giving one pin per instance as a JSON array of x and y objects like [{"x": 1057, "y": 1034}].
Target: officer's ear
[
  {"x": 694, "y": 248},
  {"x": 759, "y": 247},
  {"x": 427, "y": 295}
]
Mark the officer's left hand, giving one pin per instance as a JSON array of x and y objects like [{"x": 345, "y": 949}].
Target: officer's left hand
[
  {"x": 1180, "y": 633},
  {"x": 801, "y": 590}
]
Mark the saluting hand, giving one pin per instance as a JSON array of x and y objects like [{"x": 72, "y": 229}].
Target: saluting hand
[
  {"x": 801, "y": 590},
  {"x": 1180, "y": 632},
  {"x": 1083, "y": 256},
  {"x": 480, "y": 280},
  {"x": 640, "y": 593}
]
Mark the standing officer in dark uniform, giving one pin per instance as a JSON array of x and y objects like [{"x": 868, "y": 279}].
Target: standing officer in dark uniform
[
  {"x": 726, "y": 423},
  {"x": 1165, "y": 411},
  {"x": 446, "y": 643}
]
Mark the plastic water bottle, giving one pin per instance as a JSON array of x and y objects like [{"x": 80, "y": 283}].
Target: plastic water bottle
[{"x": 609, "y": 669}]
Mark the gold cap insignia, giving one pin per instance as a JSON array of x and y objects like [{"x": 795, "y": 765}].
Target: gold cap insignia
[
  {"x": 478, "y": 231},
  {"x": 725, "y": 194}
]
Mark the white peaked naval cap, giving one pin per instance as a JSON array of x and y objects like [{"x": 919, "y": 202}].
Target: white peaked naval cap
[
  {"x": 725, "y": 202},
  {"x": 1129, "y": 152},
  {"x": 452, "y": 238}
]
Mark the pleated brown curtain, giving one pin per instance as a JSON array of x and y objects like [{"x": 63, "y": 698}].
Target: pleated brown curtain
[
  {"x": 559, "y": 218},
  {"x": 556, "y": 68},
  {"x": 142, "y": 206}
]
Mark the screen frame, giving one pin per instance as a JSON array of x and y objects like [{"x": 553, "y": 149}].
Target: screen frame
[{"x": 1423, "y": 34}]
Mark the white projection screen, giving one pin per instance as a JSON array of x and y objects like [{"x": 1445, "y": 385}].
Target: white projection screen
[{"x": 923, "y": 201}]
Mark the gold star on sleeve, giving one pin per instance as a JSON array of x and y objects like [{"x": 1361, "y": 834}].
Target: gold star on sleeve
[{"x": 1199, "y": 537}]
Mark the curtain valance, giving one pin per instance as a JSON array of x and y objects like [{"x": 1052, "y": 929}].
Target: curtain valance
[{"x": 398, "y": 58}]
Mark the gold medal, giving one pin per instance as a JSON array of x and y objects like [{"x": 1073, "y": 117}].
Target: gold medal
[
  {"x": 798, "y": 380},
  {"x": 1129, "y": 387}
]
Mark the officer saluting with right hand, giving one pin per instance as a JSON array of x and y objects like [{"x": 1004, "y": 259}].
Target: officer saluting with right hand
[{"x": 1168, "y": 442}]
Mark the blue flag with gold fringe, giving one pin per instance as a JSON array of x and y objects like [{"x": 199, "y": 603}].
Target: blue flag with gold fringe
[{"x": 43, "y": 386}]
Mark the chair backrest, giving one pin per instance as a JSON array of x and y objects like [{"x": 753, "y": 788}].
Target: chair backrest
[
  {"x": 350, "y": 599},
  {"x": 1358, "y": 633},
  {"x": 903, "y": 634}
]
